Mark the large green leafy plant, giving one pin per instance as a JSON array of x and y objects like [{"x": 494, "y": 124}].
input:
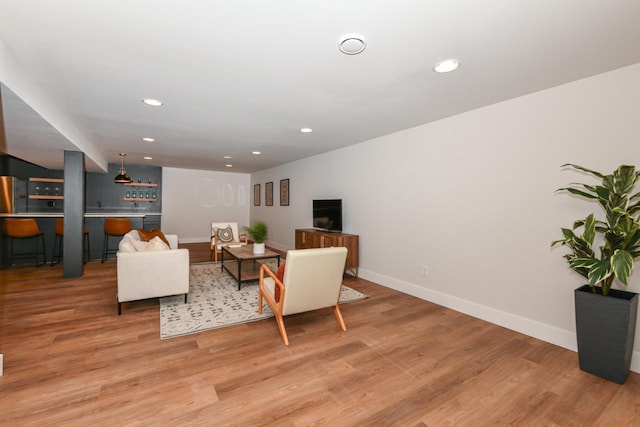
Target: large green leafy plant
[
  {"x": 258, "y": 231},
  {"x": 619, "y": 232}
]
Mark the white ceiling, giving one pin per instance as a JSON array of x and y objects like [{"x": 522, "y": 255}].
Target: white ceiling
[{"x": 238, "y": 76}]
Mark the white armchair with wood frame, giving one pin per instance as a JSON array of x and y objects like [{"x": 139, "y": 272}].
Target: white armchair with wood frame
[
  {"x": 312, "y": 280},
  {"x": 224, "y": 233}
]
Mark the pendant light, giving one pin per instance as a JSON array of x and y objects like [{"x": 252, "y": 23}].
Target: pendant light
[{"x": 122, "y": 177}]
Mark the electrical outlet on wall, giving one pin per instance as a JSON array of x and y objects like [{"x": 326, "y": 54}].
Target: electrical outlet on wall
[{"x": 425, "y": 271}]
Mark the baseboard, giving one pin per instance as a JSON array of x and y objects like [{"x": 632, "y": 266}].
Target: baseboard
[
  {"x": 274, "y": 245},
  {"x": 194, "y": 239},
  {"x": 532, "y": 328},
  {"x": 278, "y": 246}
]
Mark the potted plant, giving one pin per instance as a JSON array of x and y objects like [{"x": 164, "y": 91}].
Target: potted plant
[
  {"x": 605, "y": 317},
  {"x": 258, "y": 232}
]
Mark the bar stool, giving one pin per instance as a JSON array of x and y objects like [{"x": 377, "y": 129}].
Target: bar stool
[
  {"x": 24, "y": 229},
  {"x": 57, "y": 243},
  {"x": 116, "y": 227}
]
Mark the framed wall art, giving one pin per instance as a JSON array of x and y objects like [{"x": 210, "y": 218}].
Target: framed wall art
[
  {"x": 284, "y": 192},
  {"x": 256, "y": 195},
  {"x": 268, "y": 194}
]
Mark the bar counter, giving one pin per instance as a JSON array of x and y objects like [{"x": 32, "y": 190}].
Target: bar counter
[
  {"x": 93, "y": 220},
  {"x": 86, "y": 215}
]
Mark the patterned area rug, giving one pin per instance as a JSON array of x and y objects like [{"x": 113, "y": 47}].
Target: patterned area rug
[{"x": 214, "y": 301}]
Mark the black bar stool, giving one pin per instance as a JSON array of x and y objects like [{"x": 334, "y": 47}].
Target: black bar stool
[
  {"x": 24, "y": 229},
  {"x": 57, "y": 243},
  {"x": 114, "y": 227}
]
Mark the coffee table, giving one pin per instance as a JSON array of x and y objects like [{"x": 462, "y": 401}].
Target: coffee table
[{"x": 246, "y": 269}]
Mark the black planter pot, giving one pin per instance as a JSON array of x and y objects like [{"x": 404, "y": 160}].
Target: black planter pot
[{"x": 605, "y": 326}]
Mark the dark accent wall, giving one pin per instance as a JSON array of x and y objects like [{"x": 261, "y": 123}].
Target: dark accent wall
[
  {"x": 12, "y": 166},
  {"x": 101, "y": 195}
]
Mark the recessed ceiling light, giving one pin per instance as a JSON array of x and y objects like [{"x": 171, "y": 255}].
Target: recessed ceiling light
[
  {"x": 227, "y": 157},
  {"x": 352, "y": 44},
  {"x": 229, "y": 165},
  {"x": 446, "y": 66},
  {"x": 152, "y": 102},
  {"x": 147, "y": 139},
  {"x": 148, "y": 158},
  {"x": 306, "y": 130},
  {"x": 256, "y": 152}
]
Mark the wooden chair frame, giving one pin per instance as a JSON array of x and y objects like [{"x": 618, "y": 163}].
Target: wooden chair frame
[
  {"x": 215, "y": 251},
  {"x": 276, "y": 307}
]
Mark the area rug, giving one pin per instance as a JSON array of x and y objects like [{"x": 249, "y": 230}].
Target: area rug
[{"x": 214, "y": 301}]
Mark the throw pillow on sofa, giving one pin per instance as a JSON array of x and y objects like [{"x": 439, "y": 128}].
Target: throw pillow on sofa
[
  {"x": 155, "y": 244},
  {"x": 133, "y": 235},
  {"x": 146, "y": 235},
  {"x": 126, "y": 245}
]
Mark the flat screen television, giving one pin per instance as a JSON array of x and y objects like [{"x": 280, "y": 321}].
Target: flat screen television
[{"x": 327, "y": 214}]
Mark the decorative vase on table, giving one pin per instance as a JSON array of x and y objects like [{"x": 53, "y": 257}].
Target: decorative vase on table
[{"x": 258, "y": 232}]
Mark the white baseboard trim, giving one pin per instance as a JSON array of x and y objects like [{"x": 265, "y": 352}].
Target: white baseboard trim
[
  {"x": 532, "y": 328},
  {"x": 278, "y": 246},
  {"x": 208, "y": 239},
  {"x": 194, "y": 239}
]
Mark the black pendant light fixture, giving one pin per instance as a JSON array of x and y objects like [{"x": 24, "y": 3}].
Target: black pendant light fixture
[{"x": 122, "y": 177}]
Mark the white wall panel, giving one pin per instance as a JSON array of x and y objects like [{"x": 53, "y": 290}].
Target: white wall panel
[
  {"x": 472, "y": 197},
  {"x": 192, "y": 199}
]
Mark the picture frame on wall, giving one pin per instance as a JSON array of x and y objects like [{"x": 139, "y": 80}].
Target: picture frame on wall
[
  {"x": 256, "y": 195},
  {"x": 268, "y": 193},
  {"x": 284, "y": 192}
]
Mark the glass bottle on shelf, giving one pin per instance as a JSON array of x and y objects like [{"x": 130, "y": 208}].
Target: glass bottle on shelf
[
  {"x": 153, "y": 194},
  {"x": 147, "y": 194},
  {"x": 128, "y": 194},
  {"x": 133, "y": 194}
]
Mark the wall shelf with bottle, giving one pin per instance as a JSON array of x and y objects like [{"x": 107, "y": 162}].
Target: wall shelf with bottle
[
  {"x": 45, "y": 197},
  {"x": 58, "y": 180},
  {"x": 131, "y": 199},
  {"x": 49, "y": 189},
  {"x": 141, "y": 195},
  {"x": 140, "y": 184}
]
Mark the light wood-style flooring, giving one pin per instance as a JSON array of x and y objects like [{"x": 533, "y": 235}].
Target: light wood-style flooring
[{"x": 70, "y": 360}]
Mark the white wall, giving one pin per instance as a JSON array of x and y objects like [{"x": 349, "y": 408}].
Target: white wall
[
  {"x": 192, "y": 199},
  {"x": 472, "y": 197}
]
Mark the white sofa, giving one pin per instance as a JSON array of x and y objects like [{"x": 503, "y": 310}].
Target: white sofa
[{"x": 151, "y": 273}]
